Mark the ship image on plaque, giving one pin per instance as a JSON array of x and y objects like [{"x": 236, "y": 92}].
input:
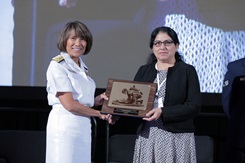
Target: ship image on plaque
[{"x": 129, "y": 98}]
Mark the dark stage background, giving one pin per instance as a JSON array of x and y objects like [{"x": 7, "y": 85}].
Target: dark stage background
[{"x": 26, "y": 108}]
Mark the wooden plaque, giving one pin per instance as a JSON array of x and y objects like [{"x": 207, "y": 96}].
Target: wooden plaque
[{"x": 129, "y": 98}]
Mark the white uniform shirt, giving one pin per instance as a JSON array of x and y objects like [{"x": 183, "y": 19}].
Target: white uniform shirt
[{"x": 67, "y": 76}]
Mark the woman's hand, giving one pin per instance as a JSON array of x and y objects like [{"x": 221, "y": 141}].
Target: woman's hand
[
  {"x": 113, "y": 119},
  {"x": 154, "y": 114},
  {"x": 100, "y": 99},
  {"x": 109, "y": 118}
]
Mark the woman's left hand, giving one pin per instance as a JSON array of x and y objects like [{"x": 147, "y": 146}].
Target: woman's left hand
[
  {"x": 154, "y": 114},
  {"x": 111, "y": 119},
  {"x": 100, "y": 99}
]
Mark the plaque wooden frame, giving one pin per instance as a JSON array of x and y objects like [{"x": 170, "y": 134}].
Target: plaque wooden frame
[{"x": 129, "y": 98}]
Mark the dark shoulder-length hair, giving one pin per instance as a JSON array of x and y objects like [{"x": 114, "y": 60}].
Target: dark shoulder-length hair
[
  {"x": 81, "y": 30},
  {"x": 171, "y": 33}
]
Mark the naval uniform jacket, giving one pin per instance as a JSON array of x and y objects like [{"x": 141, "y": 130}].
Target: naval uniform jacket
[
  {"x": 233, "y": 96},
  {"x": 182, "y": 97},
  {"x": 235, "y": 69}
]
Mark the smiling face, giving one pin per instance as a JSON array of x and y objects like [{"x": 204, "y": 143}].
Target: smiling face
[
  {"x": 75, "y": 39},
  {"x": 75, "y": 45},
  {"x": 164, "y": 48}
]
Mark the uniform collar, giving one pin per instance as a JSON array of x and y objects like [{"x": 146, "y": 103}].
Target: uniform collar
[{"x": 70, "y": 61}]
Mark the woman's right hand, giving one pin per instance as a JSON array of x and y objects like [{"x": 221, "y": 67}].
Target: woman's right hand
[{"x": 154, "y": 114}]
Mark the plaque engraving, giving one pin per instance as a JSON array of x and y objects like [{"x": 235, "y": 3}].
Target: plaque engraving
[{"x": 129, "y": 98}]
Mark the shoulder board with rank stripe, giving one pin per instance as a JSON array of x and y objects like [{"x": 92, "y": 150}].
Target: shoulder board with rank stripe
[{"x": 58, "y": 58}]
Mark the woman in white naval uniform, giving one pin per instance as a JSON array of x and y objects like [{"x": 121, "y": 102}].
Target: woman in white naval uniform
[{"x": 71, "y": 94}]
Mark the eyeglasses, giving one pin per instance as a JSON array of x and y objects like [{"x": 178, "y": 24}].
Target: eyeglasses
[{"x": 165, "y": 43}]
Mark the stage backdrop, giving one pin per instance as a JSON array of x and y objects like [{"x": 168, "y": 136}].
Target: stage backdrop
[{"x": 211, "y": 35}]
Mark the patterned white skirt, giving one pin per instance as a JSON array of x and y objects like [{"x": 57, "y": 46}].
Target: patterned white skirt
[{"x": 155, "y": 145}]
